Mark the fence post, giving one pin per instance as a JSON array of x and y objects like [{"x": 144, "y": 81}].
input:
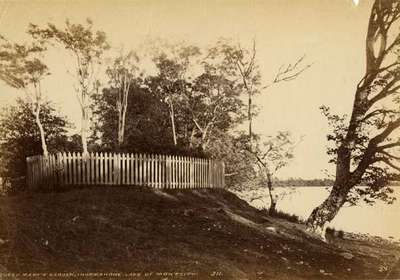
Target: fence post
[
  {"x": 99, "y": 168},
  {"x": 106, "y": 168},
  {"x": 50, "y": 159},
  {"x": 138, "y": 169},
  {"x": 167, "y": 172},
  {"x": 131, "y": 169},
  {"x": 153, "y": 170},
  {"x": 83, "y": 167},
  {"x": 88, "y": 168},
  {"x": 162, "y": 171},
  {"x": 28, "y": 172},
  {"x": 223, "y": 175},
  {"x": 175, "y": 172},
  {"x": 115, "y": 172},
  {"x": 122, "y": 161},
  {"x": 128, "y": 169}
]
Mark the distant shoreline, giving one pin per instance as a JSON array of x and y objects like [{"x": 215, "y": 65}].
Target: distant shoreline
[
  {"x": 317, "y": 186},
  {"x": 299, "y": 182}
]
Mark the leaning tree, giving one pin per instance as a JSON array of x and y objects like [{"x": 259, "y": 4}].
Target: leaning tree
[
  {"x": 241, "y": 63},
  {"x": 22, "y": 68},
  {"x": 272, "y": 155},
  {"x": 366, "y": 148}
]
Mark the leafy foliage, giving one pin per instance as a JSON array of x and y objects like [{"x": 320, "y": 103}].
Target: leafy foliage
[
  {"x": 21, "y": 66},
  {"x": 20, "y": 138}
]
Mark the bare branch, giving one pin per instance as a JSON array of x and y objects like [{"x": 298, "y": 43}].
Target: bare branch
[
  {"x": 384, "y": 93},
  {"x": 378, "y": 112},
  {"x": 231, "y": 174},
  {"x": 197, "y": 124},
  {"x": 389, "y": 155},
  {"x": 389, "y": 146},
  {"x": 388, "y": 162},
  {"x": 289, "y": 73},
  {"x": 385, "y": 133}
]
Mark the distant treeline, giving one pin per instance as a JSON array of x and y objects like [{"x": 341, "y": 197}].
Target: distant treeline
[{"x": 299, "y": 182}]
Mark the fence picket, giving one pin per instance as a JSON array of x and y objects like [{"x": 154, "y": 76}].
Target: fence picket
[
  {"x": 132, "y": 169},
  {"x": 107, "y": 164},
  {"x": 174, "y": 171},
  {"x": 122, "y": 180},
  {"x": 101, "y": 171},
  {"x": 137, "y": 169},
  {"x": 128, "y": 169},
  {"x": 151, "y": 170}
]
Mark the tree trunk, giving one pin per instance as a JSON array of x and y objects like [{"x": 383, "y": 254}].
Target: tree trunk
[
  {"x": 84, "y": 132},
  {"x": 172, "y": 115},
  {"x": 204, "y": 141},
  {"x": 191, "y": 140},
  {"x": 42, "y": 133},
  {"x": 272, "y": 207},
  {"x": 325, "y": 212},
  {"x": 250, "y": 118},
  {"x": 122, "y": 108},
  {"x": 121, "y": 127}
]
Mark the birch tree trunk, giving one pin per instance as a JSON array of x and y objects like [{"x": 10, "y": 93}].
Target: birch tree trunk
[
  {"x": 122, "y": 108},
  {"x": 84, "y": 126},
  {"x": 191, "y": 140},
  {"x": 250, "y": 118},
  {"x": 172, "y": 116},
  {"x": 272, "y": 207},
  {"x": 328, "y": 210},
  {"x": 121, "y": 128},
  {"x": 41, "y": 131}
]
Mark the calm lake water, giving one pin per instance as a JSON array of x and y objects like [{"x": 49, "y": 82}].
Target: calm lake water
[{"x": 380, "y": 219}]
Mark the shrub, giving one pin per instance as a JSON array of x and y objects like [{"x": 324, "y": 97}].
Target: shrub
[
  {"x": 20, "y": 138},
  {"x": 286, "y": 216},
  {"x": 334, "y": 233}
]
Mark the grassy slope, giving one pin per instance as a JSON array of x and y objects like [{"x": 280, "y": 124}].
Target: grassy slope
[{"x": 142, "y": 230}]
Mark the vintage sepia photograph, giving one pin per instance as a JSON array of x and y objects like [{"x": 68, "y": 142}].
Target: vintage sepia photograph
[{"x": 200, "y": 139}]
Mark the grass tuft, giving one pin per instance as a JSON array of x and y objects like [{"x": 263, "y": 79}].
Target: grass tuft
[
  {"x": 334, "y": 233},
  {"x": 286, "y": 216}
]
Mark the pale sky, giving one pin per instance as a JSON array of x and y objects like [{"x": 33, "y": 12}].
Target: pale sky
[{"x": 330, "y": 32}]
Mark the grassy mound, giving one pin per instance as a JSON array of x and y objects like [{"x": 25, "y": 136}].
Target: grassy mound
[{"x": 173, "y": 234}]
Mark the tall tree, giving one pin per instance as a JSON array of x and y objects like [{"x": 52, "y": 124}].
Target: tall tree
[
  {"x": 242, "y": 64},
  {"x": 86, "y": 47},
  {"x": 22, "y": 68},
  {"x": 172, "y": 80},
  {"x": 121, "y": 75},
  {"x": 365, "y": 148},
  {"x": 214, "y": 104}
]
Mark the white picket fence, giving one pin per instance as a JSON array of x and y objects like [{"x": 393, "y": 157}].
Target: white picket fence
[{"x": 157, "y": 171}]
